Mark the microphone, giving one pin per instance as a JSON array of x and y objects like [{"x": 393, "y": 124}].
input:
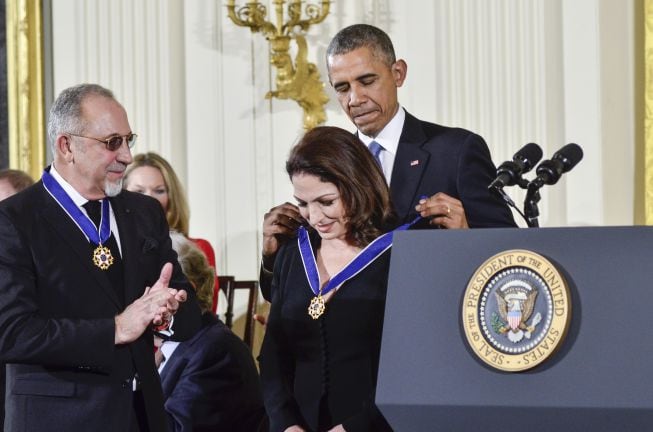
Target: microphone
[
  {"x": 509, "y": 173},
  {"x": 550, "y": 170}
]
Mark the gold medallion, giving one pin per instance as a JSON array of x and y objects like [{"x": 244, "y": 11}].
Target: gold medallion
[
  {"x": 102, "y": 257},
  {"x": 317, "y": 307}
]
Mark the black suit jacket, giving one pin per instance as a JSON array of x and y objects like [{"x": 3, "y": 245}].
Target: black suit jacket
[
  {"x": 210, "y": 383},
  {"x": 57, "y": 315},
  {"x": 432, "y": 158}
]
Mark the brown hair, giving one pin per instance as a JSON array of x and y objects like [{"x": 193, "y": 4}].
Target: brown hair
[
  {"x": 18, "y": 179},
  {"x": 336, "y": 156},
  {"x": 178, "y": 213},
  {"x": 196, "y": 268}
]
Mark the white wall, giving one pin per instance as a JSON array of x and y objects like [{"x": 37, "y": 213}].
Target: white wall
[{"x": 547, "y": 71}]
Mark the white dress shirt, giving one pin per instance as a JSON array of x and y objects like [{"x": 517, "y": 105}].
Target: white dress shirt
[
  {"x": 79, "y": 201},
  {"x": 388, "y": 138}
]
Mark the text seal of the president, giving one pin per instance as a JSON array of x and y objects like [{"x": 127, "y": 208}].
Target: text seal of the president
[{"x": 516, "y": 310}]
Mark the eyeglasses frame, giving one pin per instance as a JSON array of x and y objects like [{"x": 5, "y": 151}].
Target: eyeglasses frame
[{"x": 123, "y": 138}]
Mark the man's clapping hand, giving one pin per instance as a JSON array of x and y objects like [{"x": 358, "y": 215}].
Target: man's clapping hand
[{"x": 156, "y": 306}]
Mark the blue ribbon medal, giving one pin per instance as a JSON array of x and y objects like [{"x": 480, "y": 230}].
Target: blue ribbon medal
[
  {"x": 102, "y": 256},
  {"x": 364, "y": 258}
]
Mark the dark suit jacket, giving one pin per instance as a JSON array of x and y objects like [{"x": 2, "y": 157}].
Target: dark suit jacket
[
  {"x": 321, "y": 373},
  {"x": 2, "y": 394},
  {"x": 57, "y": 315},
  {"x": 210, "y": 383},
  {"x": 432, "y": 158}
]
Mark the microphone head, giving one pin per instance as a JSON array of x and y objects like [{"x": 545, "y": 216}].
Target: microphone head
[
  {"x": 509, "y": 173},
  {"x": 569, "y": 155},
  {"x": 550, "y": 171},
  {"x": 528, "y": 156}
]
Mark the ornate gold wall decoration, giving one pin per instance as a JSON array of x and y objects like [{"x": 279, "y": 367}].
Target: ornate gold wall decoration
[
  {"x": 298, "y": 80},
  {"x": 25, "y": 86},
  {"x": 648, "y": 112}
]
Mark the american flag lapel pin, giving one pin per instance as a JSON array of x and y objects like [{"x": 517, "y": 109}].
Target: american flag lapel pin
[{"x": 414, "y": 162}]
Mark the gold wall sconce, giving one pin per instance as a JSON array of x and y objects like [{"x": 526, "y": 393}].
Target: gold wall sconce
[{"x": 298, "y": 80}]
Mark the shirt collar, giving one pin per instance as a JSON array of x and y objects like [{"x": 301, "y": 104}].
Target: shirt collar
[
  {"x": 77, "y": 198},
  {"x": 167, "y": 349},
  {"x": 390, "y": 134}
]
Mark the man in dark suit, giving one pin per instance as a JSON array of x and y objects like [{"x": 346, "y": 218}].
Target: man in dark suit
[
  {"x": 80, "y": 290},
  {"x": 437, "y": 172},
  {"x": 11, "y": 182},
  {"x": 210, "y": 382}
]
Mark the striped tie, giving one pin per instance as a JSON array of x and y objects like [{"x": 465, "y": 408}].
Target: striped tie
[{"x": 375, "y": 148}]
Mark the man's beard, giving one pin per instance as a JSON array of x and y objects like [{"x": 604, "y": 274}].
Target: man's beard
[{"x": 111, "y": 189}]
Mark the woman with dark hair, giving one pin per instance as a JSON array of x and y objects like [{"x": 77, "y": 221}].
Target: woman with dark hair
[{"x": 320, "y": 354}]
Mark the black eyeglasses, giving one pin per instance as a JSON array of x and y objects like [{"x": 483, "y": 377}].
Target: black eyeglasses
[{"x": 115, "y": 142}]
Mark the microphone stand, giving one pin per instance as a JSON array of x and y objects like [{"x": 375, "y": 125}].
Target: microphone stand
[
  {"x": 531, "y": 211},
  {"x": 504, "y": 196},
  {"x": 530, "y": 202}
]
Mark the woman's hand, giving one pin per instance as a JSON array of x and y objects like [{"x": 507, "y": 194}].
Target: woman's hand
[{"x": 295, "y": 428}]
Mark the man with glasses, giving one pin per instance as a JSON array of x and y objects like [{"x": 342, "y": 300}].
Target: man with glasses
[{"x": 86, "y": 272}]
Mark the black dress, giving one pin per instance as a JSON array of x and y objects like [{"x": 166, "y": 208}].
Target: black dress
[{"x": 321, "y": 373}]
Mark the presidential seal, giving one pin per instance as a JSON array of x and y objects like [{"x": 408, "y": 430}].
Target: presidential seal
[{"x": 516, "y": 310}]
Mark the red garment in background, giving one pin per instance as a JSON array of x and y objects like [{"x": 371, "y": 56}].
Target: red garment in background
[{"x": 206, "y": 247}]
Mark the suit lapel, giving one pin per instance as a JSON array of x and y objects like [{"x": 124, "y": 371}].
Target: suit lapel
[
  {"x": 410, "y": 164},
  {"x": 129, "y": 247},
  {"x": 71, "y": 235},
  {"x": 172, "y": 364},
  {"x": 178, "y": 359}
]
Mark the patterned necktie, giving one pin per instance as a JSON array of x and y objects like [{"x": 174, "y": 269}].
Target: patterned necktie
[
  {"x": 375, "y": 148},
  {"x": 115, "y": 273},
  {"x": 93, "y": 208}
]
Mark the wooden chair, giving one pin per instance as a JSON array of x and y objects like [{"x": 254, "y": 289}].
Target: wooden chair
[
  {"x": 230, "y": 286},
  {"x": 225, "y": 283}
]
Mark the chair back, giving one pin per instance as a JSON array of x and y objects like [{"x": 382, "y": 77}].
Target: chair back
[{"x": 230, "y": 286}]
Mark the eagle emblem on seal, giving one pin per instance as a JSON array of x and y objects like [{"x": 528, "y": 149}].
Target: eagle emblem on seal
[{"x": 515, "y": 302}]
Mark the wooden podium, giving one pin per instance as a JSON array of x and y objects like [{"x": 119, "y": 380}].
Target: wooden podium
[{"x": 599, "y": 380}]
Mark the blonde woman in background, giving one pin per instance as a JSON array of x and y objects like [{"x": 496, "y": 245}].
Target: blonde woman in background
[{"x": 152, "y": 175}]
